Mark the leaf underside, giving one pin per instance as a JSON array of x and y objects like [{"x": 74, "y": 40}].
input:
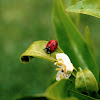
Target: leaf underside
[
  {"x": 86, "y": 82},
  {"x": 89, "y": 7}
]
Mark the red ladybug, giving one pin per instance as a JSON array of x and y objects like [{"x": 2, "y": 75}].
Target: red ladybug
[{"x": 51, "y": 46}]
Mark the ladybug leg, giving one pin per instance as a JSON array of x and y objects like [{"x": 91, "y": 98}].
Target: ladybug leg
[
  {"x": 44, "y": 49},
  {"x": 50, "y": 54}
]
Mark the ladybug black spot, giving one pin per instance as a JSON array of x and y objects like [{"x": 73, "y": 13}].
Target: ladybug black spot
[
  {"x": 53, "y": 44},
  {"x": 54, "y": 48},
  {"x": 49, "y": 42}
]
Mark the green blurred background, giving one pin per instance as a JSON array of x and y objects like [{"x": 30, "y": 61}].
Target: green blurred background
[{"x": 21, "y": 23}]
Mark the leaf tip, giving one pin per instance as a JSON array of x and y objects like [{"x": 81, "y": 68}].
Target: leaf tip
[{"x": 25, "y": 59}]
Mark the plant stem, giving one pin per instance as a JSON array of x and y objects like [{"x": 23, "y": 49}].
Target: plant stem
[
  {"x": 75, "y": 69},
  {"x": 74, "y": 75}
]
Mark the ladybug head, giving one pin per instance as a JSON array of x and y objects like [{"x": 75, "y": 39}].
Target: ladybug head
[{"x": 48, "y": 51}]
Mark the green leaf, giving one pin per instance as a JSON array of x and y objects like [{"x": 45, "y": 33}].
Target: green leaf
[
  {"x": 83, "y": 96},
  {"x": 71, "y": 41},
  {"x": 33, "y": 98},
  {"x": 44, "y": 98},
  {"x": 89, "y": 40},
  {"x": 86, "y": 82},
  {"x": 65, "y": 89},
  {"x": 58, "y": 90},
  {"x": 37, "y": 50},
  {"x": 67, "y": 3},
  {"x": 75, "y": 17},
  {"x": 90, "y": 7},
  {"x": 69, "y": 98}
]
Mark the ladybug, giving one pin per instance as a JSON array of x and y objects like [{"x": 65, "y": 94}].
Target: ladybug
[{"x": 51, "y": 46}]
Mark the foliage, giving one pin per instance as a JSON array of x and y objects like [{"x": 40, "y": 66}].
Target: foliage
[
  {"x": 81, "y": 53},
  {"x": 25, "y": 21},
  {"x": 71, "y": 41},
  {"x": 85, "y": 81},
  {"x": 90, "y": 7}
]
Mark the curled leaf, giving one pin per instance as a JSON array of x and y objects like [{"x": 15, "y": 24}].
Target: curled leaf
[
  {"x": 85, "y": 81},
  {"x": 36, "y": 49}
]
